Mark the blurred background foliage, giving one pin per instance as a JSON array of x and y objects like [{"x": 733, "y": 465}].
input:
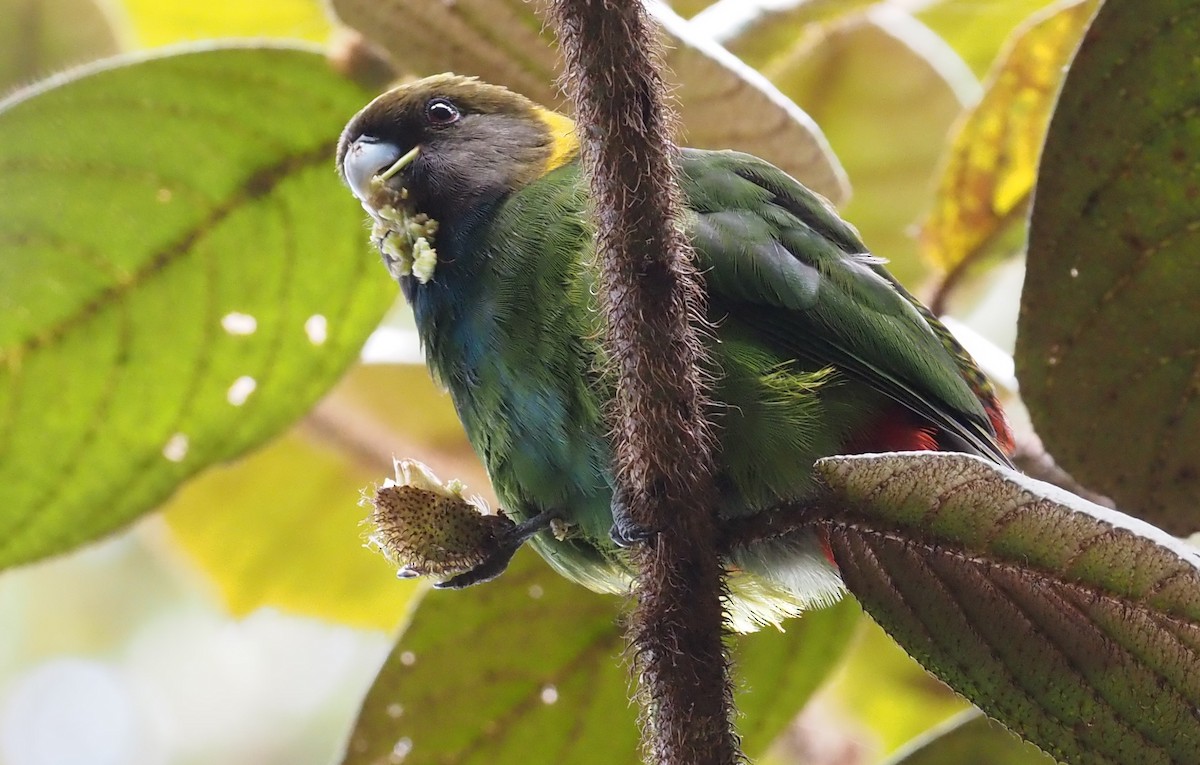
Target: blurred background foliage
[{"x": 244, "y": 622}]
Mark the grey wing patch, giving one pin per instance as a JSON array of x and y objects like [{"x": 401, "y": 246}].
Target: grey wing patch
[
  {"x": 810, "y": 208},
  {"x": 742, "y": 259}
]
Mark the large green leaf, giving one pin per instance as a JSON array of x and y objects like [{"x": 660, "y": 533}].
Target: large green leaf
[
  {"x": 1075, "y": 625},
  {"x": 182, "y": 277},
  {"x": 1109, "y": 333},
  {"x": 526, "y": 669},
  {"x": 723, "y": 104},
  {"x": 529, "y": 669},
  {"x": 970, "y": 739}
]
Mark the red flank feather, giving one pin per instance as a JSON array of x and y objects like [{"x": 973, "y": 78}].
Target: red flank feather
[{"x": 897, "y": 431}]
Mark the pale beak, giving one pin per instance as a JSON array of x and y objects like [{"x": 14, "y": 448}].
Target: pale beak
[{"x": 367, "y": 158}]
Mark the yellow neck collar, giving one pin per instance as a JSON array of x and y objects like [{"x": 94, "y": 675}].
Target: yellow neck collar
[{"x": 565, "y": 144}]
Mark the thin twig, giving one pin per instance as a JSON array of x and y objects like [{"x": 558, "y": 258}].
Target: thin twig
[{"x": 359, "y": 435}]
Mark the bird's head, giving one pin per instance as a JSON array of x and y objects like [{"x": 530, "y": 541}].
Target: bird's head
[{"x": 423, "y": 155}]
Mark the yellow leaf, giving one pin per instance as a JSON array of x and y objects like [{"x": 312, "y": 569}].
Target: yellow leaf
[
  {"x": 281, "y": 528},
  {"x": 404, "y": 399},
  {"x": 992, "y": 162},
  {"x": 767, "y": 35},
  {"x": 161, "y": 22}
]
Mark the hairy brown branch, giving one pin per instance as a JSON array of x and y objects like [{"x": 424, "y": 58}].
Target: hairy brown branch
[{"x": 652, "y": 301}]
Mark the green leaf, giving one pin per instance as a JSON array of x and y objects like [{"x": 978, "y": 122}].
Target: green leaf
[
  {"x": 723, "y": 104},
  {"x": 526, "y": 669},
  {"x": 529, "y": 669},
  {"x": 182, "y": 277},
  {"x": 40, "y": 37},
  {"x": 991, "y": 164},
  {"x": 1109, "y": 332},
  {"x": 861, "y": 78},
  {"x": 970, "y": 738},
  {"x": 882, "y": 689},
  {"x": 1075, "y": 625}
]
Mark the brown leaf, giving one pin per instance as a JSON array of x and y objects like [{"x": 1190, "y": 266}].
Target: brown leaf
[
  {"x": 1075, "y": 625},
  {"x": 41, "y": 37},
  {"x": 723, "y": 104}
]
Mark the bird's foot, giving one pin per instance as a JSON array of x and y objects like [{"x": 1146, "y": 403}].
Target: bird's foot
[
  {"x": 508, "y": 541},
  {"x": 626, "y": 532}
]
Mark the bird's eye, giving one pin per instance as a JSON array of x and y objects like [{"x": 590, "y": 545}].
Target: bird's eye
[{"x": 441, "y": 112}]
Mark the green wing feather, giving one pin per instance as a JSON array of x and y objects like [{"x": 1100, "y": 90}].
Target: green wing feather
[{"x": 780, "y": 260}]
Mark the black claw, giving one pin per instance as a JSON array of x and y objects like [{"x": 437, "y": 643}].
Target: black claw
[
  {"x": 624, "y": 532},
  {"x": 484, "y": 572},
  {"x": 511, "y": 540}
]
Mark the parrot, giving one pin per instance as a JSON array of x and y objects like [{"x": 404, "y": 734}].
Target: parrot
[{"x": 479, "y": 206}]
